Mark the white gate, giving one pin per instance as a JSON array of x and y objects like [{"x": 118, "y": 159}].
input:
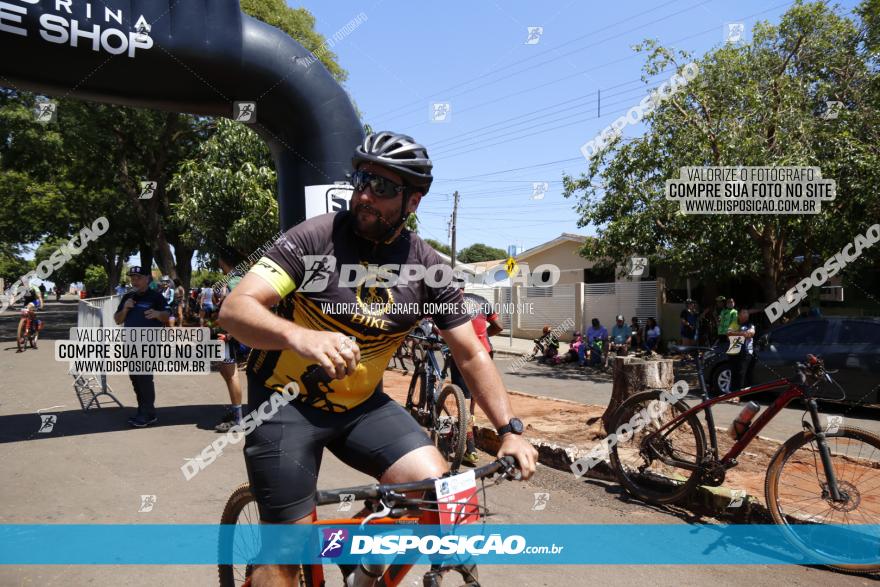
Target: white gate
[{"x": 606, "y": 300}]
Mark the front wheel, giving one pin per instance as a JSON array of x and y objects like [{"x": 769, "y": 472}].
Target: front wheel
[
  {"x": 449, "y": 431},
  {"x": 661, "y": 468},
  {"x": 245, "y": 542},
  {"x": 799, "y": 495}
]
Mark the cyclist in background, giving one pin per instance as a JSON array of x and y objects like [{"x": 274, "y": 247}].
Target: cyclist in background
[
  {"x": 29, "y": 312},
  {"x": 32, "y": 295},
  {"x": 486, "y": 324},
  {"x": 337, "y": 360}
]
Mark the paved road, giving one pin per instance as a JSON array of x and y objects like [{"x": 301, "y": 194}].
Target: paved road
[
  {"x": 92, "y": 469},
  {"x": 592, "y": 387}
]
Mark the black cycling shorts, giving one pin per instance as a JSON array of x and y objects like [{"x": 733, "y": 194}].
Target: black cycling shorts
[{"x": 283, "y": 454}]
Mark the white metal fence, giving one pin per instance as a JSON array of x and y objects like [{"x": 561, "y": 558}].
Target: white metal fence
[
  {"x": 92, "y": 312},
  {"x": 606, "y": 300},
  {"x": 550, "y": 305}
]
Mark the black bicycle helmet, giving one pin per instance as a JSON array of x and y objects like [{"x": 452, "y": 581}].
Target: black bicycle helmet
[{"x": 398, "y": 152}]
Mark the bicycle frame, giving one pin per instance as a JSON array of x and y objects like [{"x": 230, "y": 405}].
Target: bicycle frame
[
  {"x": 393, "y": 574},
  {"x": 792, "y": 391}
]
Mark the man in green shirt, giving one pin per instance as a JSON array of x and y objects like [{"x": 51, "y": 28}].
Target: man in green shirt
[{"x": 727, "y": 321}]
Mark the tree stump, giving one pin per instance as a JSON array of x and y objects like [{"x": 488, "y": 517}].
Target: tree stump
[{"x": 633, "y": 375}]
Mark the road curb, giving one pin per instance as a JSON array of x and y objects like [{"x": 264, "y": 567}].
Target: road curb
[{"x": 715, "y": 501}]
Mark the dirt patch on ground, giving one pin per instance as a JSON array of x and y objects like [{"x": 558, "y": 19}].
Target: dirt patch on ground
[{"x": 570, "y": 424}]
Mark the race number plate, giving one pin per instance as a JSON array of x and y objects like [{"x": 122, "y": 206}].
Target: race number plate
[{"x": 457, "y": 499}]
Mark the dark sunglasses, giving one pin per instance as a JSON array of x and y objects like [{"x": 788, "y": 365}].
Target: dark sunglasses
[{"x": 380, "y": 187}]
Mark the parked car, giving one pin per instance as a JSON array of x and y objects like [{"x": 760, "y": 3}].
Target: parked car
[{"x": 850, "y": 345}]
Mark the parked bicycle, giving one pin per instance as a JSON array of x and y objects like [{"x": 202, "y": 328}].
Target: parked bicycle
[
  {"x": 436, "y": 405},
  {"x": 821, "y": 475},
  {"x": 403, "y": 503}
]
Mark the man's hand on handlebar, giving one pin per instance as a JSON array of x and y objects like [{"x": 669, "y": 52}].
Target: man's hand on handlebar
[{"x": 522, "y": 450}]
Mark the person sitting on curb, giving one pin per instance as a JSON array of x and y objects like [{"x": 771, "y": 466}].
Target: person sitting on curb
[
  {"x": 597, "y": 342},
  {"x": 549, "y": 343},
  {"x": 652, "y": 336},
  {"x": 621, "y": 339}
]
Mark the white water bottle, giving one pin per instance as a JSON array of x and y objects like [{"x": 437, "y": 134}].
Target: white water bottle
[{"x": 742, "y": 422}]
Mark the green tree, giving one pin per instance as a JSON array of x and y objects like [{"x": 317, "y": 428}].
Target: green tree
[
  {"x": 227, "y": 191},
  {"x": 95, "y": 281},
  {"x": 480, "y": 252},
  {"x": 753, "y": 105},
  {"x": 438, "y": 246}
]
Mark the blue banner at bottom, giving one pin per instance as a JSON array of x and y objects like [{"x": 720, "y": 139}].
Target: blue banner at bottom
[{"x": 565, "y": 544}]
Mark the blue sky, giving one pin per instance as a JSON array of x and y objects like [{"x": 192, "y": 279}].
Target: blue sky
[{"x": 537, "y": 102}]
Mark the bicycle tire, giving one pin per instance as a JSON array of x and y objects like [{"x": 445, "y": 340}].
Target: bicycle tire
[
  {"x": 451, "y": 445},
  {"x": 657, "y": 487},
  {"x": 241, "y": 497},
  {"x": 784, "y": 456}
]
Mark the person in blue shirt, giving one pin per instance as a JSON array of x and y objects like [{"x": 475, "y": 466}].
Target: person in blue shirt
[
  {"x": 142, "y": 307},
  {"x": 621, "y": 339},
  {"x": 597, "y": 340}
]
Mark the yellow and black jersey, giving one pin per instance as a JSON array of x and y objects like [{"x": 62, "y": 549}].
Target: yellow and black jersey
[{"x": 326, "y": 277}]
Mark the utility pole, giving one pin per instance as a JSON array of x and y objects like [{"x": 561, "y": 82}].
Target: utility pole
[{"x": 452, "y": 226}]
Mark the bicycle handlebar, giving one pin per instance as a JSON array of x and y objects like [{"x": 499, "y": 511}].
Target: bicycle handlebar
[{"x": 331, "y": 496}]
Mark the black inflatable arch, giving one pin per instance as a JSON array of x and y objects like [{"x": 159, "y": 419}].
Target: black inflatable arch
[{"x": 199, "y": 57}]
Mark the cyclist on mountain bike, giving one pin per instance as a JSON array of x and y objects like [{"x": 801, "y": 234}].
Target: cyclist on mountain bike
[
  {"x": 32, "y": 295},
  {"x": 29, "y": 312},
  {"x": 347, "y": 412}
]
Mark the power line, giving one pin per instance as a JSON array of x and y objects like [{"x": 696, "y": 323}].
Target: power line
[
  {"x": 521, "y": 61},
  {"x": 568, "y": 124}
]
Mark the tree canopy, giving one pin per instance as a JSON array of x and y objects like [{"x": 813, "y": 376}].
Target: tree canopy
[{"x": 758, "y": 104}]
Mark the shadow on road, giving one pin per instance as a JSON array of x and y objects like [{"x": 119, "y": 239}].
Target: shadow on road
[{"x": 22, "y": 427}]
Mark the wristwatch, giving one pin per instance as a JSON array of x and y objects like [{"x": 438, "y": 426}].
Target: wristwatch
[{"x": 515, "y": 426}]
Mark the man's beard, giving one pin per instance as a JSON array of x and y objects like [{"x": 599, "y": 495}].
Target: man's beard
[{"x": 370, "y": 223}]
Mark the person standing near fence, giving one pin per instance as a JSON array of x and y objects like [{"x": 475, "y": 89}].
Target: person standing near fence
[{"x": 142, "y": 307}]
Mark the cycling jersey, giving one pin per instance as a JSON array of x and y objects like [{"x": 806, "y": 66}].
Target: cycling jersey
[{"x": 378, "y": 317}]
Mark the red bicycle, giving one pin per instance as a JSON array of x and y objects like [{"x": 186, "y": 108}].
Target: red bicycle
[
  {"x": 28, "y": 332},
  {"x": 821, "y": 475},
  {"x": 402, "y": 503}
]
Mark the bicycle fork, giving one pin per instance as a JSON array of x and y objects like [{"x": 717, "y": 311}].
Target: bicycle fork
[{"x": 825, "y": 454}]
